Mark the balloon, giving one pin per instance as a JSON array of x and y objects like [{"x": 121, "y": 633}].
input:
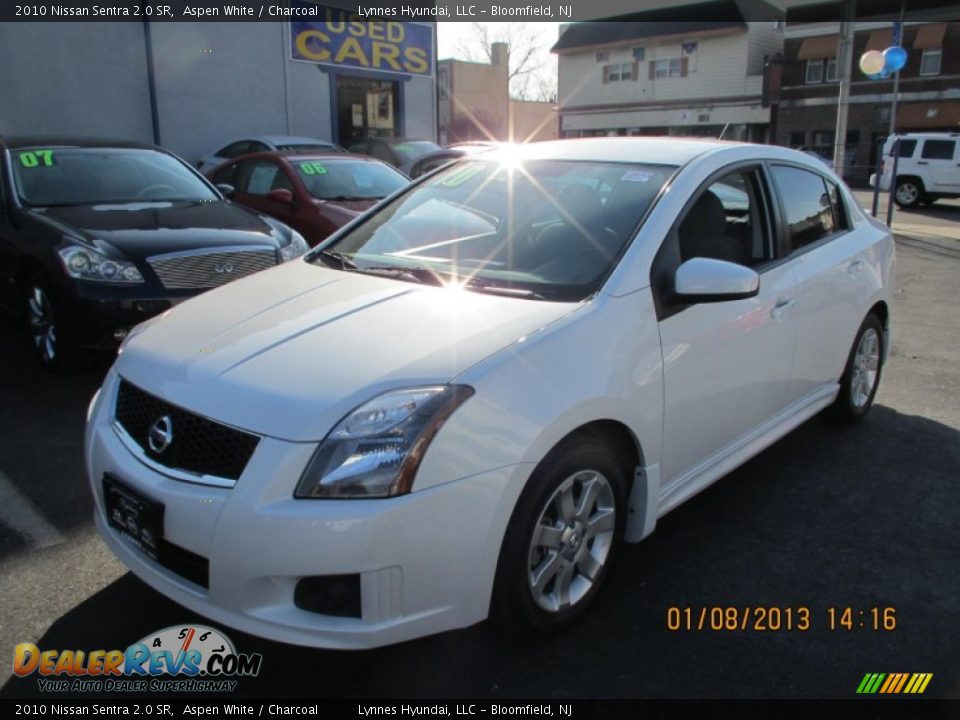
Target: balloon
[
  {"x": 894, "y": 58},
  {"x": 871, "y": 62}
]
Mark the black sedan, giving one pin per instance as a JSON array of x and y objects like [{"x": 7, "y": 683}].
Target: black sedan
[{"x": 97, "y": 236}]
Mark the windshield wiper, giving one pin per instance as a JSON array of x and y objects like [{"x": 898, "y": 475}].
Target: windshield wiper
[
  {"x": 505, "y": 291},
  {"x": 416, "y": 274},
  {"x": 346, "y": 198},
  {"x": 340, "y": 258}
]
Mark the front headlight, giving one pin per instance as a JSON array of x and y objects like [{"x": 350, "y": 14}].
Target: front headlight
[
  {"x": 295, "y": 248},
  {"x": 86, "y": 264},
  {"x": 376, "y": 449}
]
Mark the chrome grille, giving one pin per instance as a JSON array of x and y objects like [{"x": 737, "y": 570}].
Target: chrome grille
[{"x": 210, "y": 268}]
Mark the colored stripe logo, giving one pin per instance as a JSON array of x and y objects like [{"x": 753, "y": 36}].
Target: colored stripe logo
[{"x": 894, "y": 683}]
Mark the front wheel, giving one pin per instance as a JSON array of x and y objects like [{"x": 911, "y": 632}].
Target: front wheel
[
  {"x": 861, "y": 377},
  {"x": 51, "y": 340},
  {"x": 562, "y": 537}
]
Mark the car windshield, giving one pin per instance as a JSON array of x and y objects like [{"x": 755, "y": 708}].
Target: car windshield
[
  {"x": 546, "y": 229},
  {"x": 413, "y": 149},
  {"x": 96, "y": 176},
  {"x": 339, "y": 179},
  {"x": 299, "y": 147}
]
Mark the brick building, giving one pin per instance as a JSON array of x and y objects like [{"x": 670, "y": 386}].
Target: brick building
[{"x": 805, "y": 106}]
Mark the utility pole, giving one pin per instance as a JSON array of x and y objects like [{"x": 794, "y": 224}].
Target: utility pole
[{"x": 844, "y": 63}]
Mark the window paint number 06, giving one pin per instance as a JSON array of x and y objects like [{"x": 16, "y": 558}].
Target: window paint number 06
[
  {"x": 37, "y": 157},
  {"x": 313, "y": 168}
]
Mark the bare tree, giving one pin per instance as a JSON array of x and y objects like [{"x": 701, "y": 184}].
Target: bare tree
[{"x": 532, "y": 71}]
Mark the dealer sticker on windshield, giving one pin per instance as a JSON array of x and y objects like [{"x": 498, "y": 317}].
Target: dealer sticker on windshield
[
  {"x": 637, "y": 176},
  {"x": 37, "y": 158},
  {"x": 313, "y": 168},
  {"x": 460, "y": 176}
]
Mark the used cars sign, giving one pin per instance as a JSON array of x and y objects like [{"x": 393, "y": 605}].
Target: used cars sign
[{"x": 340, "y": 38}]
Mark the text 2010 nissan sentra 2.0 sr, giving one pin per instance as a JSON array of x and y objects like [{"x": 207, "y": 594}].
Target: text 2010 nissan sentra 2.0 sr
[{"x": 465, "y": 400}]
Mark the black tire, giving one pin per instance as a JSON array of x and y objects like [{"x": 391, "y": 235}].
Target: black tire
[
  {"x": 852, "y": 404},
  {"x": 50, "y": 338},
  {"x": 579, "y": 460},
  {"x": 909, "y": 192}
]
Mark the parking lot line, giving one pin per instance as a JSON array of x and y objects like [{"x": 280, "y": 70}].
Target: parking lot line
[{"x": 20, "y": 515}]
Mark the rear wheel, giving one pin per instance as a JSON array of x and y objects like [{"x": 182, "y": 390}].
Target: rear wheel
[
  {"x": 861, "y": 378},
  {"x": 562, "y": 537},
  {"x": 909, "y": 192}
]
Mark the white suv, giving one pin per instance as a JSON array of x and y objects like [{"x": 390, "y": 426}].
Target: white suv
[{"x": 928, "y": 168}]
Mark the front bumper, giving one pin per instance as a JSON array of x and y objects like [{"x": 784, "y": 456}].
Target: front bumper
[
  {"x": 97, "y": 311},
  {"x": 426, "y": 561}
]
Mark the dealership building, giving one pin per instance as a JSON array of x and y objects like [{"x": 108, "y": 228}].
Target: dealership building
[{"x": 193, "y": 87}]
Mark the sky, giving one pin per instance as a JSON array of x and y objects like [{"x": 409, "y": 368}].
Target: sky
[{"x": 450, "y": 36}]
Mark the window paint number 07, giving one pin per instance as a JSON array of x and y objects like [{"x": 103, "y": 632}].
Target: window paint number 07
[{"x": 37, "y": 157}]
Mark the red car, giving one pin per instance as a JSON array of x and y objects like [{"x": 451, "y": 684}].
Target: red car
[{"x": 314, "y": 193}]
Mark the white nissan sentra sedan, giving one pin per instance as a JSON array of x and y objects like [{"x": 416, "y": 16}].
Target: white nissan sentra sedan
[{"x": 464, "y": 401}]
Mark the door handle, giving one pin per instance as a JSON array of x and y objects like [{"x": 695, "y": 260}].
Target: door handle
[
  {"x": 855, "y": 267},
  {"x": 780, "y": 308}
]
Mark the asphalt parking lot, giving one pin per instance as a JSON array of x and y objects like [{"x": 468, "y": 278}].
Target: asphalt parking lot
[{"x": 829, "y": 517}]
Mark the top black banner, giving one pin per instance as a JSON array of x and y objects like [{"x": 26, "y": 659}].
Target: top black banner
[
  {"x": 469, "y": 10},
  {"x": 401, "y": 10}
]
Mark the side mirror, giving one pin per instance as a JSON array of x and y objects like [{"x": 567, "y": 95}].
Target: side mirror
[
  {"x": 227, "y": 190},
  {"x": 281, "y": 195},
  {"x": 701, "y": 280}
]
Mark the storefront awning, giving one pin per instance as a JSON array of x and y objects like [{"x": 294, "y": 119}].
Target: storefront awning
[
  {"x": 880, "y": 40},
  {"x": 942, "y": 115},
  {"x": 930, "y": 36},
  {"x": 824, "y": 46}
]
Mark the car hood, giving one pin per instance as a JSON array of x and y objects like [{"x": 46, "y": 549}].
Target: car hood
[
  {"x": 289, "y": 351},
  {"x": 139, "y": 230},
  {"x": 352, "y": 207}
]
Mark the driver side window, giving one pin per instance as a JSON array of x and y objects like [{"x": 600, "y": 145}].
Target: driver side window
[{"x": 726, "y": 222}]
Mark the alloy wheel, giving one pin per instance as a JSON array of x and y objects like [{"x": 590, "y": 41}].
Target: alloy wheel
[
  {"x": 866, "y": 365},
  {"x": 43, "y": 328},
  {"x": 908, "y": 194},
  {"x": 571, "y": 540}
]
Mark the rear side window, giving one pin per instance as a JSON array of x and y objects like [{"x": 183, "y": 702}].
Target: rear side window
[
  {"x": 906, "y": 148},
  {"x": 810, "y": 212},
  {"x": 235, "y": 149},
  {"x": 938, "y": 149},
  {"x": 259, "y": 177}
]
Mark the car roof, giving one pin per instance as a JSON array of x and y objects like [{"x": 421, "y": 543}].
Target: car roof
[
  {"x": 285, "y": 139},
  {"x": 648, "y": 150},
  {"x": 300, "y": 155},
  {"x": 390, "y": 140},
  {"x": 922, "y": 135},
  {"x": 46, "y": 141}
]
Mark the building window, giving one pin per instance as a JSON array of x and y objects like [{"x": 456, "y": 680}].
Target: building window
[
  {"x": 831, "y": 70},
  {"x": 639, "y": 54},
  {"x": 603, "y": 56},
  {"x": 618, "y": 72},
  {"x": 798, "y": 139},
  {"x": 930, "y": 61},
  {"x": 815, "y": 71},
  {"x": 668, "y": 67}
]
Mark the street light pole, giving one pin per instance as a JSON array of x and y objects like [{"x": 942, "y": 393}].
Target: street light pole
[{"x": 844, "y": 61}]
